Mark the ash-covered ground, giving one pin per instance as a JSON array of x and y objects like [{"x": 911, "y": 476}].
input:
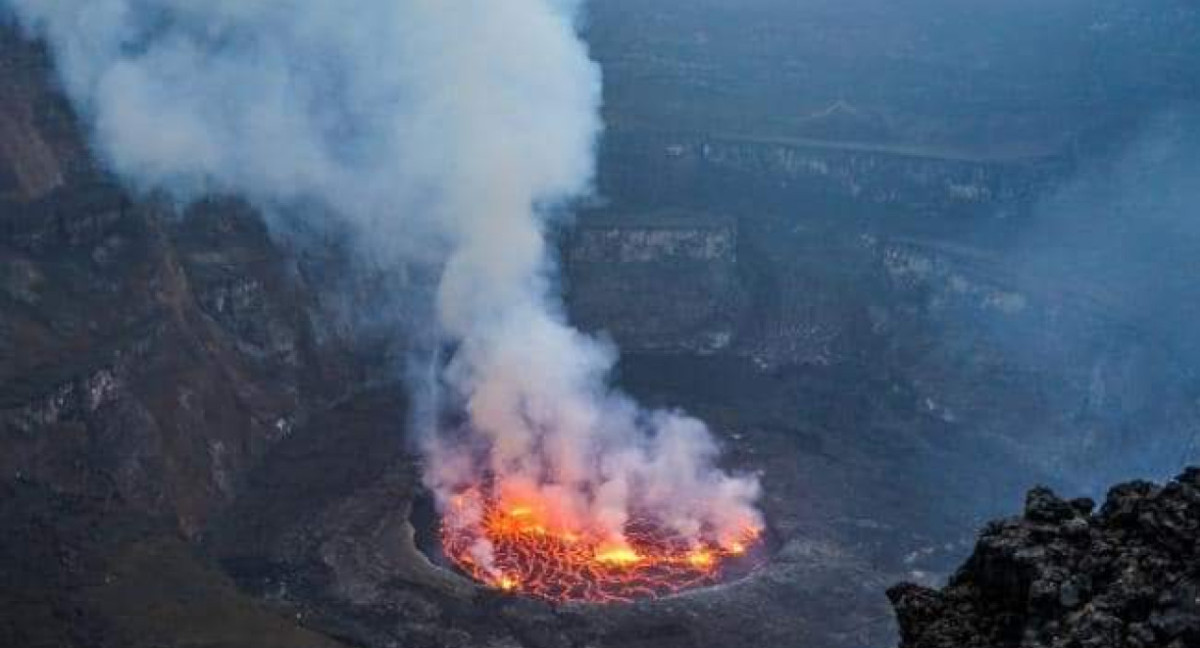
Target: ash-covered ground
[{"x": 846, "y": 235}]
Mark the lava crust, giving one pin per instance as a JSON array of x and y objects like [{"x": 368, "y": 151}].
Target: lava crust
[{"x": 525, "y": 555}]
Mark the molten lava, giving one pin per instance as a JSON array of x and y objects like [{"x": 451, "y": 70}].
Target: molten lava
[{"x": 526, "y": 554}]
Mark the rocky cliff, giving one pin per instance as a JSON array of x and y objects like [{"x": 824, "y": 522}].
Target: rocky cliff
[
  {"x": 1063, "y": 576},
  {"x": 150, "y": 359},
  {"x": 927, "y": 179}
]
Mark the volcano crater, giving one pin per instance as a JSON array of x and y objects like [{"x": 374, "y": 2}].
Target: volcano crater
[{"x": 603, "y": 580}]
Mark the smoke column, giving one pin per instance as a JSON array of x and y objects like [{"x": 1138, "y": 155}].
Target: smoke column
[{"x": 436, "y": 132}]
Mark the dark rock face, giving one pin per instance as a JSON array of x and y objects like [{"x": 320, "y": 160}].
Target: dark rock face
[
  {"x": 1063, "y": 577},
  {"x": 145, "y": 352},
  {"x": 135, "y": 351},
  {"x": 660, "y": 283},
  {"x": 149, "y": 361}
]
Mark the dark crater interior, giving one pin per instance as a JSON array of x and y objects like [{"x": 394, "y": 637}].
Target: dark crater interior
[{"x": 906, "y": 259}]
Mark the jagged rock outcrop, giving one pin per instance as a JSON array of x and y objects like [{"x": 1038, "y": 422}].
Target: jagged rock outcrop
[{"x": 1063, "y": 577}]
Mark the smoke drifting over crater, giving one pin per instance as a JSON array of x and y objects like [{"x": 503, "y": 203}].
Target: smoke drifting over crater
[{"x": 441, "y": 133}]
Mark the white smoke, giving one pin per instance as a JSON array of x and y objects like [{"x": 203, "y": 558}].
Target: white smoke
[{"x": 441, "y": 132}]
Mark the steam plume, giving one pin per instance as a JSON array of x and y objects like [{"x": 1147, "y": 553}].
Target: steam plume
[{"x": 440, "y": 132}]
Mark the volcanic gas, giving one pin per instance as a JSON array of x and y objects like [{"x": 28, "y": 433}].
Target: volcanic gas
[{"x": 527, "y": 553}]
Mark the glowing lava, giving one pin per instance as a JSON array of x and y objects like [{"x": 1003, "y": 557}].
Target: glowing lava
[{"x": 515, "y": 548}]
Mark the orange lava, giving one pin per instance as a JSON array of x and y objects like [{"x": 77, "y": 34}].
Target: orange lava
[{"x": 531, "y": 558}]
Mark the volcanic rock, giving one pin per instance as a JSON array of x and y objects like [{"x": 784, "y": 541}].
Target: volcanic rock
[{"x": 1063, "y": 577}]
